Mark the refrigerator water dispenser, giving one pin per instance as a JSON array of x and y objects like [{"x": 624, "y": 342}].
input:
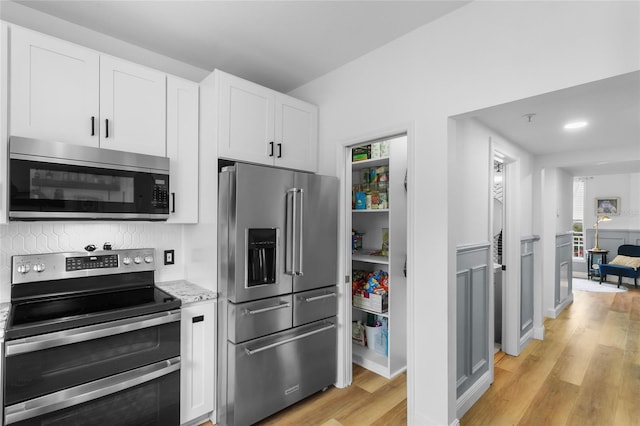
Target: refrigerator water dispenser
[{"x": 261, "y": 256}]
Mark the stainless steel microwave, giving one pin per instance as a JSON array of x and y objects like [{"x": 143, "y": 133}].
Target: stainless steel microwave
[{"x": 58, "y": 181}]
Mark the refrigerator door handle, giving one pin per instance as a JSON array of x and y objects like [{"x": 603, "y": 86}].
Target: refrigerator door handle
[
  {"x": 300, "y": 272},
  {"x": 324, "y": 296},
  {"x": 290, "y": 266},
  {"x": 267, "y": 309}
]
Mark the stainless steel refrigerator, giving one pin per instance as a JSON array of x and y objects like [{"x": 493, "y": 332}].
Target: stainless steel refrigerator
[{"x": 277, "y": 279}]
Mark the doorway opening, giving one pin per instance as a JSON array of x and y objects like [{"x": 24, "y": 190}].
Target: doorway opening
[{"x": 499, "y": 240}]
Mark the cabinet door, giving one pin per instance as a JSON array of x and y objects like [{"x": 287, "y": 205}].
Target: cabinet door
[
  {"x": 132, "y": 107},
  {"x": 296, "y": 134},
  {"x": 246, "y": 120},
  {"x": 54, "y": 89},
  {"x": 197, "y": 372},
  {"x": 4, "y": 111},
  {"x": 182, "y": 149}
]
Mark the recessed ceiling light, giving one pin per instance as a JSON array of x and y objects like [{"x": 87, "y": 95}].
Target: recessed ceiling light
[{"x": 575, "y": 125}]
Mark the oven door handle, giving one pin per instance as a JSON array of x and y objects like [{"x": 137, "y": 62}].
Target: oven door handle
[
  {"x": 66, "y": 337},
  {"x": 89, "y": 391}
]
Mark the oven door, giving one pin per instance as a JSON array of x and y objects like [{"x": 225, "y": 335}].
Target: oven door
[
  {"x": 45, "y": 364},
  {"x": 146, "y": 396}
]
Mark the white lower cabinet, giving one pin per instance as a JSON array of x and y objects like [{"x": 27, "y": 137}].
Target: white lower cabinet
[{"x": 197, "y": 374}]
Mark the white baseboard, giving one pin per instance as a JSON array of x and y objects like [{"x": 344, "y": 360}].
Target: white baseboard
[
  {"x": 524, "y": 340},
  {"x": 554, "y": 312},
  {"x": 538, "y": 333},
  {"x": 474, "y": 393}
]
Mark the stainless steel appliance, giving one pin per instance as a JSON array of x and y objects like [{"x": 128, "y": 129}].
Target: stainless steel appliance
[
  {"x": 278, "y": 272},
  {"x": 53, "y": 181},
  {"x": 91, "y": 340}
]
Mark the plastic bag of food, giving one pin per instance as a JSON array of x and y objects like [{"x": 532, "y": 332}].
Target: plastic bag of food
[{"x": 357, "y": 333}]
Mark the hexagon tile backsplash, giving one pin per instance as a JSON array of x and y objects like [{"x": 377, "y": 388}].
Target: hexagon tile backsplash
[{"x": 49, "y": 237}]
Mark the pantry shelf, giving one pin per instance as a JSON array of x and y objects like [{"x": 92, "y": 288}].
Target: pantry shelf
[
  {"x": 370, "y": 210},
  {"x": 366, "y": 256},
  {"x": 382, "y": 314},
  {"x": 370, "y": 359},
  {"x": 374, "y": 162}
]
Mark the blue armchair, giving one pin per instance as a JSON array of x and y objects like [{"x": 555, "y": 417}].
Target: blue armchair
[{"x": 622, "y": 270}]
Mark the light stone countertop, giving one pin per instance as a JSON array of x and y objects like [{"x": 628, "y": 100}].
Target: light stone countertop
[
  {"x": 4, "y": 313},
  {"x": 186, "y": 291}
]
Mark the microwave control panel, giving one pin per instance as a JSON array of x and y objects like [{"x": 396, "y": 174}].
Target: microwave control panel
[{"x": 161, "y": 192}]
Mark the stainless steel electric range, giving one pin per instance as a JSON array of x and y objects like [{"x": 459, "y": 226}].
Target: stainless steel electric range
[{"x": 91, "y": 340}]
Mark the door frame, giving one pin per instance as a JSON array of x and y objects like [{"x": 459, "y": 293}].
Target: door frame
[{"x": 512, "y": 281}]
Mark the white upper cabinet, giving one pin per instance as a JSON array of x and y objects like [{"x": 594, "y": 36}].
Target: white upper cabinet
[
  {"x": 182, "y": 149},
  {"x": 54, "y": 89},
  {"x": 132, "y": 107},
  {"x": 296, "y": 133},
  {"x": 247, "y": 112},
  {"x": 260, "y": 125},
  {"x": 65, "y": 92}
]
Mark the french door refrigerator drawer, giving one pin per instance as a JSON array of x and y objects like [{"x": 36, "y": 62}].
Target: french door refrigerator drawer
[
  {"x": 314, "y": 305},
  {"x": 251, "y": 320},
  {"x": 271, "y": 373}
]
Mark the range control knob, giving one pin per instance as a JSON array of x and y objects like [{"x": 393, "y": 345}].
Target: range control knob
[
  {"x": 126, "y": 260},
  {"x": 24, "y": 268},
  {"x": 137, "y": 259},
  {"x": 39, "y": 267},
  {"x": 148, "y": 259}
]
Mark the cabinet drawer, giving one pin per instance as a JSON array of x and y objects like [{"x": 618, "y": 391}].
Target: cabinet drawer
[
  {"x": 314, "y": 305},
  {"x": 254, "y": 319}
]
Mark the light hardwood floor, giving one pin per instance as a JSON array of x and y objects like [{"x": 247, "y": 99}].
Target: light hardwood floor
[{"x": 585, "y": 372}]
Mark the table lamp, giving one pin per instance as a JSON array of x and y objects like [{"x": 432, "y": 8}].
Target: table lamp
[{"x": 598, "y": 220}]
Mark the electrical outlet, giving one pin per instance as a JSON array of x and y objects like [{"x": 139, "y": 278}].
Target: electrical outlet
[{"x": 169, "y": 258}]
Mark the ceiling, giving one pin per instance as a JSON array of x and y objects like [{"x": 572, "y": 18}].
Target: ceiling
[
  {"x": 278, "y": 44},
  {"x": 610, "y": 106}
]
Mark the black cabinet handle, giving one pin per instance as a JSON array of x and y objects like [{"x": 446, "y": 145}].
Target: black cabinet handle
[
  {"x": 173, "y": 200},
  {"x": 271, "y": 146},
  {"x": 93, "y": 126},
  {"x": 199, "y": 318},
  {"x": 106, "y": 130},
  {"x": 279, "y": 150}
]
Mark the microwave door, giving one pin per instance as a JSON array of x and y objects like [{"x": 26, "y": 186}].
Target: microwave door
[
  {"x": 258, "y": 221},
  {"x": 316, "y": 248}
]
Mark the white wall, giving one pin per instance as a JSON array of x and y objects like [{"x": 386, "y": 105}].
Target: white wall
[
  {"x": 564, "y": 202},
  {"x": 481, "y": 55},
  {"x": 473, "y": 181},
  {"x": 626, "y": 187}
]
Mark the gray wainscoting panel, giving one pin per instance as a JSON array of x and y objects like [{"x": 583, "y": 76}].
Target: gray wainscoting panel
[
  {"x": 611, "y": 239},
  {"x": 472, "y": 285},
  {"x": 526, "y": 281},
  {"x": 564, "y": 268}
]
